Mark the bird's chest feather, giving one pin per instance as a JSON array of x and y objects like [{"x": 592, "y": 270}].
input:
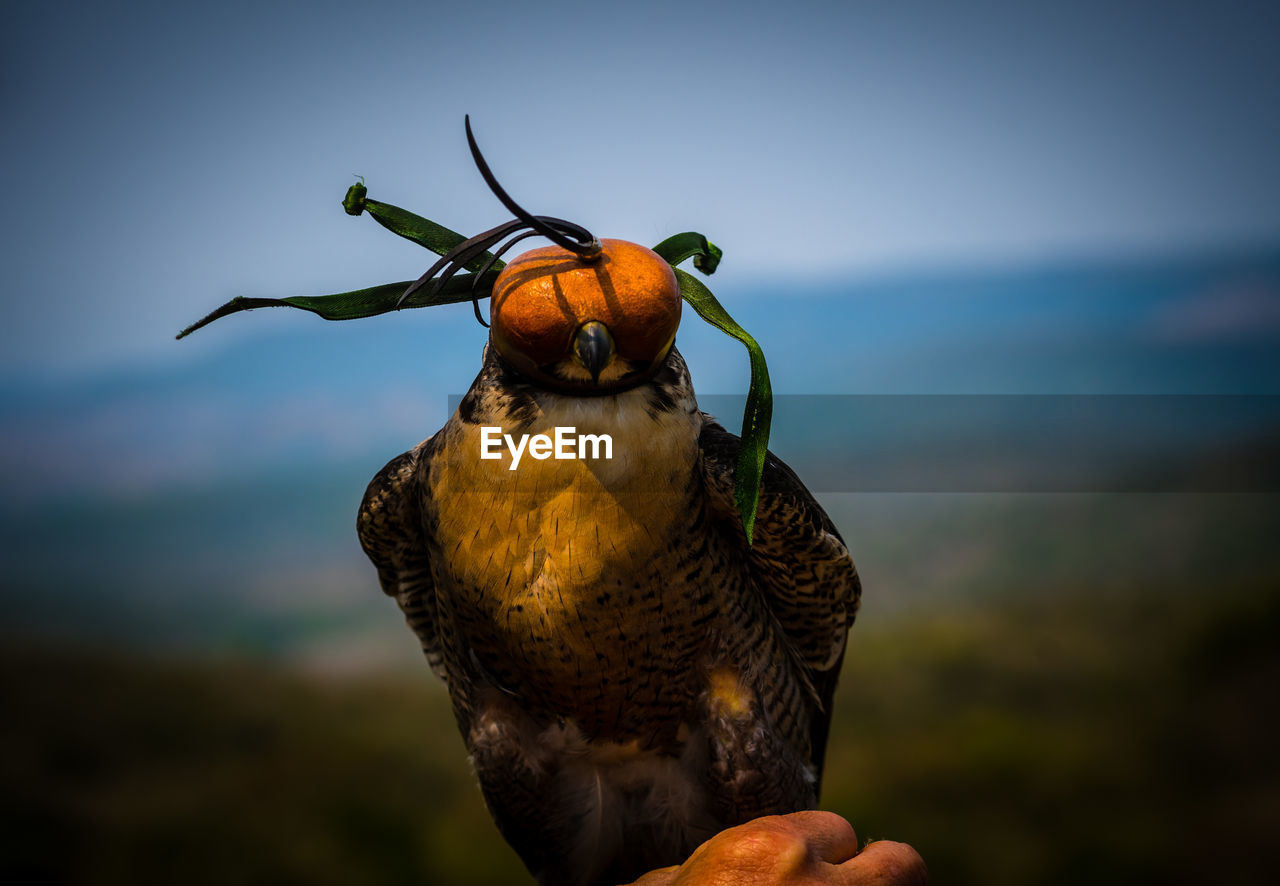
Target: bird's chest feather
[{"x": 562, "y": 577}]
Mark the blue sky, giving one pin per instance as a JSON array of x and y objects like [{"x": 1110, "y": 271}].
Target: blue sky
[{"x": 162, "y": 158}]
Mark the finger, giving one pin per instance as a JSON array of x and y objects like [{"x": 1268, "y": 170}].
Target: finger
[
  {"x": 660, "y": 877},
  {"x": 830, "y": 838},
  {"x": 885, "y": 863}
]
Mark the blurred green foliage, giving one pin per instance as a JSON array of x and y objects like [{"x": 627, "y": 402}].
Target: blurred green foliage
[
  {"x": 132, "y": 770},
  {"x": 1078, "y": 695},
  {"x": 1079, "y": 738},
  {"x": 1072, "y": 739}
]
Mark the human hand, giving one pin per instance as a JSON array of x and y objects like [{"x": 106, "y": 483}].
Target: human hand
[{"x": 808, "y": 848}]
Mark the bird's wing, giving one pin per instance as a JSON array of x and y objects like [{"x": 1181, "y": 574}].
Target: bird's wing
[
  {"x": 799, "y": 563},
  {"x": 391, "y": 532}
]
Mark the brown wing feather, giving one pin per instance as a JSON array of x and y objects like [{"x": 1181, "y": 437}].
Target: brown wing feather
[
  {"x": 799, "y": 562},
  {"x": 391, "y": 532}
]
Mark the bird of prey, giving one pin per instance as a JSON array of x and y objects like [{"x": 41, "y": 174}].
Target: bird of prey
[
  {"x": 629, "y": 671},
  {"x": 641, "y": 635}
]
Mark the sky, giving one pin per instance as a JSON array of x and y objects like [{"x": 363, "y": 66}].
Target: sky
[{"x": 162, "y": 158}]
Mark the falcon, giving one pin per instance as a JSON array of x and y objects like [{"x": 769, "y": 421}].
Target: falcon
[
  {"x": 630, "y": 671},
  {"x": 640, "y": 636}
]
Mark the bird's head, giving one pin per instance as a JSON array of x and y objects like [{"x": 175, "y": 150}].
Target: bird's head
[
  {"x": 583, "y": 316},
  {"x": 586, "y": 324}
]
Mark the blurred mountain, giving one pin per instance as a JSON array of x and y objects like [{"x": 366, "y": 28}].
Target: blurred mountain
[
  {"x": 209, "y": 501},
  {"x": 311, "y": 393}
]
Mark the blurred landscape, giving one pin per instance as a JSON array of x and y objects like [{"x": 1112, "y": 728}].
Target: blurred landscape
[{"x": 203, "y": 682}]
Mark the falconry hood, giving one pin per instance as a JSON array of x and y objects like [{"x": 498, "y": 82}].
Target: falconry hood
[{"x": 596, "y": 325}]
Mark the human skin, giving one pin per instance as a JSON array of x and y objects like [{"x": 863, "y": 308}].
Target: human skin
[{"x": 808, "y": 848}]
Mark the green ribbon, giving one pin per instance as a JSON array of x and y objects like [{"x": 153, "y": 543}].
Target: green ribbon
[
  {"x": 439, "y": 239},
  {"x": 378, "y": 299},
  {"x": 705, "y": 254},
  {"x": 360, "y": 302},
  {"x": 422, "y": 231},
  {"x": 758, "y": 415}
]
